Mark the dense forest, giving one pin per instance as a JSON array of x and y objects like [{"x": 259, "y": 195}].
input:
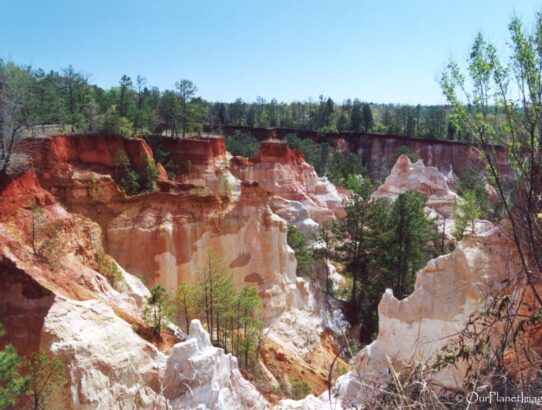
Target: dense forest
[{"x": 134, "y": 107}]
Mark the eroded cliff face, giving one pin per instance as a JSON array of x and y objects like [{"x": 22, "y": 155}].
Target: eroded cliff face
[
  {"x": 174, "y": 230},
  {"x": 249, "y": 239},
  {"x": 63, "y": 302},
  {"x": 299, "y": 195},
  {"x": 378, "y": 152},
  {"x": 408, "y": 176}
]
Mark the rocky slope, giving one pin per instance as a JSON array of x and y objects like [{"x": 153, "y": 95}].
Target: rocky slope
[
  {"x": 64, "y": 300},
  {"x": 59, "y": 296},
  {"x": 448, "y": 291},
  {"x": 299, "y": 196}
]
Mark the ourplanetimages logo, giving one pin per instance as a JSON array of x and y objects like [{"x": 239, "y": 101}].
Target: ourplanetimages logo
[{"x": 495, "y": 397}]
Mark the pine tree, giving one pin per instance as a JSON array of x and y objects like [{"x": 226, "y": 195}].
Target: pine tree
[
  {"x": 409, "y": 232},
  {"x": 185, "y": 302},
  {"x": 46, "y": 376},
  {"x": 12, "y": 383},
  {"x": 367, "y": 118},
  {"x": 466, "y": 211},
  {"x": 158, "y": 309},
  {"x": 356, "y": 120}
]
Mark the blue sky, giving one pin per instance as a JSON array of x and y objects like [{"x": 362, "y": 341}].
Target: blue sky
[{"x": 380, "y": 51}]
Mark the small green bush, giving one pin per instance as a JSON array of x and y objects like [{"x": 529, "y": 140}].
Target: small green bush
[
  {"x": 125, "y": 175},
  {"x": 299, "y": 389}
]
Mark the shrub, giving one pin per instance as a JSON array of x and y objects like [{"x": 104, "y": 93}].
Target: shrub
[
  {"x": 151, "y": 175},
  {"x": 125, "y": 175},
  {"x": 297, "y": 242},
  {"x": 299, "y": 389}
]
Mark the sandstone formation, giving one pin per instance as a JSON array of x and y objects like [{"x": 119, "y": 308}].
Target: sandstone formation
[
  {"x": 406, "y": 176},
  {"x": 198, "y": 374},
  {"x": 301, "y": 196},
  {"x": 64, "y": 302},
  {"x": 447, "y": 292}
]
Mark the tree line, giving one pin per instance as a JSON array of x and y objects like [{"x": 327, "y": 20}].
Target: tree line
[{"x": 32, "y": 97}]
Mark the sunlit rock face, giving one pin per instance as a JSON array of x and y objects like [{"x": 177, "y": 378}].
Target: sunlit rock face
[
  {"x": 198, "y": 375},
  {"x": 284, "y": 173},
  {"x": 65, "y": 306},
  {"x": 177, "y": 236},
  {"x": 106, "y": 361},
  {"x": 172, "y": 232},
  {"x": 201, "y": 161},
  {"x": 406, "y": 176},
  {"x": 447, "y": 291}
]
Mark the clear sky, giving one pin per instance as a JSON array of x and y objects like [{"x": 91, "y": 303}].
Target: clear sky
[{"x": 379, "y": 51}]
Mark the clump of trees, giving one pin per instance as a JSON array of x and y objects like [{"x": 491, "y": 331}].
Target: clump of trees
[
  {"x": 242, "y": 144},
  {"x": 382, "y": 246},
  {"x": 38, "y": 377},
  {"x": 130, "y": 180},
  {"x": 230, "y": 316}
]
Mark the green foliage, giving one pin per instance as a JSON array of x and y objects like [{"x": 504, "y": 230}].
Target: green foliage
[
  {"x": 230, "y": 316},
  {"x": 311, "y": 151},
  {"x": 242, "y": 144},
  {"x": 297, "y": 242},
  {"x": 466, "y": 211},
  {"x": 125, "y": 175},
  {"x": 158, "y": 309},
  {"x": 367, "y": 117},
  {"x": 163, "y": 157},
  {"x": 46, "y": 377},
  {"x": 409, "y": 232},
  {"x": 151, "y": 175},
  {"x": 299, "y": 389},
  {"x": 109, "y": 269},
  {"x": 169, "y": 111},
  {"x": 342, "y": 166},
  {"x": 114, "y": 123},
  {"x": 12, "y": 383},
  {"x": 473, "y": 181},
  {"x": 405, "y": 150}
]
